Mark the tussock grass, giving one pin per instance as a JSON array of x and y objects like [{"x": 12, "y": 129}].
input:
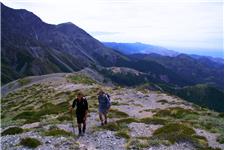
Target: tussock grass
[
  {"x": 12, "y": 131},
  {"x": 115, "y": 113},
  {"x": 78, "y": 78},
  {"x": 175, "y": 112},
  {"x": 137, "y": 144},
  {"x": 65, "y": 117},
  {"x": 176, "y": 132},
  {"x": 127, "y": 120},
  {"x": 57, "y": 132},
  {"x": 24, "y": 81},
  {"x": 45, "y": 109},
  {"x": 220, "y": 139},
  {"x": 154, "y": 120},
  {"x": 30, "y": 142},
  {"x": 123, "y": 134},
  {"x": 112, "y": 126}
]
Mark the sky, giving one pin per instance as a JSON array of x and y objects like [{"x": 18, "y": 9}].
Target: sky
[{"x": 194, "y": 26}]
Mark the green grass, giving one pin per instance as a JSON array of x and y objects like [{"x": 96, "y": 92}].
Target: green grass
[
  {"x": 78, "y": 78},
  {"x": 115, "y": 113},
  {"x": 123, "y": 134},
  {"x": 127, "y": 120},
  {"x": 24, "y": 81},
  {"x": 177, "y": 132},
  {"x": 209, "y": 123},
  {"x": 154, "y": 120},
  {"x": 12, "y": 131},
  {"x": 174, "y": 132},
  {"x": 175, "y": 112},
  {"x": 137, "y": 144},
  {"x": 112, "y": 126},
  {"x": 57, "y": 132},
  {"x": 30, "y": 142},
  {"x": 65, "y": 117},
  {"x": 45, "y": 109},
  {"x": 220, "y": 139}
]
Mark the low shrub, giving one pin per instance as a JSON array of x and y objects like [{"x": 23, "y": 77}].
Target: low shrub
[
  {"x": 114, "y": 113},
  {"x": 30, "y": 142},
  {"x": 176, "y": 132},
  {"x": 154, "y": 120},
  {"x": 57, "y": 132},
  {"x": 175, "y": 112},
  {"x": 12, "y": 131},
  {"x": 78, "y": 78}
]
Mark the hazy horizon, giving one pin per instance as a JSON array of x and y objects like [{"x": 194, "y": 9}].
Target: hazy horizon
[{"x": 188, "y": 26}]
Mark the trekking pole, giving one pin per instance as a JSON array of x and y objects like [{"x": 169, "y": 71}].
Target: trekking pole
[{"x": 72, "y": 120}]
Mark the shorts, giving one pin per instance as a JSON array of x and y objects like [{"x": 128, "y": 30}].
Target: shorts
[
  {"x": 103, "y": 111},
  {"x": 80, "y": 118}
]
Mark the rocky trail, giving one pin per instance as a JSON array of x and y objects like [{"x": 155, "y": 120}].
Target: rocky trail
[{"x": 138, "y": 119}]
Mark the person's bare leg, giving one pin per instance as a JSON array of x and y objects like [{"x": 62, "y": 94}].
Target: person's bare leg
[
  {"x": 79, "y": 128},
  {"x": 105, "y": 116},
  {"x": 84, "y": 126},
  {"x": 100, "y": 117}
]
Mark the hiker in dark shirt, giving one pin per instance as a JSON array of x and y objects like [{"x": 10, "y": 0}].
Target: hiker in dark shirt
[
  {"x": 81, "y": 111},
  {"x": 104, "y": 105}
]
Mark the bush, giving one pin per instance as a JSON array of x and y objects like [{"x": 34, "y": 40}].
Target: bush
[
  {"x": 30, "y": 142},
  {"x": 12, "y": 131}
]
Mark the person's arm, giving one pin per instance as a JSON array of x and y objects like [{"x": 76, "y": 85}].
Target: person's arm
[
  {"x": 73, "y": 105},
  {"x": 86, "y": 109}
]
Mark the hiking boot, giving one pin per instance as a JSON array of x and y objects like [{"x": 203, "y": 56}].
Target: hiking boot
[
  {"x": 105, "y": 122},
  {"x": 84, "y": 131}
]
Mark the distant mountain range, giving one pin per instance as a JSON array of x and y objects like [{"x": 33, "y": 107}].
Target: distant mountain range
[
  {"x": 32, "y": 47},
  {"x": 141, "y": 48},
  {"x": 133, "y": 48}
]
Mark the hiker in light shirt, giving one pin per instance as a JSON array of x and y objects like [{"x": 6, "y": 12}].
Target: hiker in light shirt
[{"x": 104, "y": 106}]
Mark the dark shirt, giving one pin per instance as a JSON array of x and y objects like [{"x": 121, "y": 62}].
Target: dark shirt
[{"x": 81, "y": 105}]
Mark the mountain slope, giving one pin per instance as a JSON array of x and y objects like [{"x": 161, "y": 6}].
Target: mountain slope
[
  {"x": 32, "y": 47},
  {"x": 144, "y": 119},
  {"x": 202, "y": 70}
]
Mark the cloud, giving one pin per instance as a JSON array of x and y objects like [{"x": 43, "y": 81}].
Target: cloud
[{"x": 100, "y": 33}]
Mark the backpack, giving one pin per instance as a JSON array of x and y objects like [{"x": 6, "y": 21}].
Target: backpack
[{"x": 108, "y": 100}]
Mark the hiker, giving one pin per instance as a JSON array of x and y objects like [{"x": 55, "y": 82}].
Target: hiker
[
  {"x": 104, "y": 105},
  {"x": 81, "y": 112}
]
